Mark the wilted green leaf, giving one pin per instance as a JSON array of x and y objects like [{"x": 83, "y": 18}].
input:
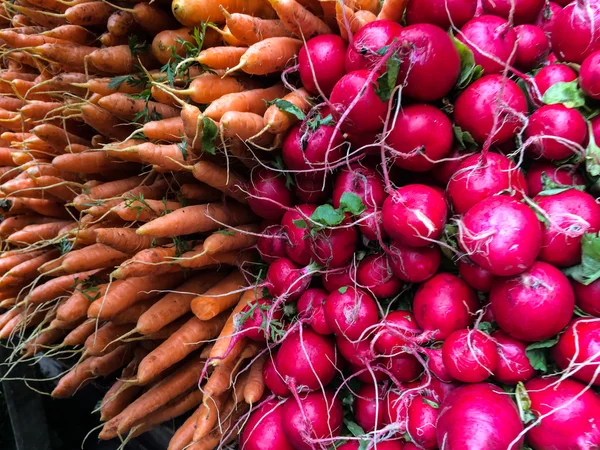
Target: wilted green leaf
[
  {"x": 568, "y": 94},
  {"x": 537, "y": 354},
  {"x": 464, "y": 138},
  {"x": 209, "y": 136},
  {"x": 387, "y": 80}
]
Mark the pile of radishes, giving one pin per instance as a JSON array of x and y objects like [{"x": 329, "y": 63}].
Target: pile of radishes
[{"x": 432, "y": 236}]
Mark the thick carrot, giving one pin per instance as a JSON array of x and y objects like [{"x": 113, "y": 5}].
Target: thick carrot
[
  {"x": 198, "y": 192},
  {"x": 144, "y": 210},
  {"x": 105, "y": 365},
  {"x": 196, "y": 219},
  {"x": 71, "y": 56},
  {"x": 221, "y": 379},
  {"x": 218, "y": 177},
  {"x": 9, "y": 262},
  {"x": 37, "y": 110},
  {"x": 96, "y": 256},
  {"x": 76, "y": 306},
  {"x": 157, "y": 260},
  {"x": 57, "y": 137},
  {"x": 28, "y": 269},
  {"x": 8, "y": 316},
  {"x": 89, "y": 13},
  {"x": 250, "y": 29},
  {"x": 220, "y": 297},
  {"x": 115, "y": 188},
  {"x": 105, "y": 340},
  {"x": 245, "y": 126},
  {"x": 208, "y": 415},
  {"x": 299, "y": 20},
  {"x": 153, "y": 19},
  {"x": 166, "y": 157},
  {"x": 39, "y": 17},
  {"x": 255, "y": 387},
  {"x": 41, "y": 232},
  {"x": 42, "y": 341},
  {"x": 19, "y": 40},
  {"x": 127, "y": 108},
  {"x": 79, "y": 335},
  {"x": 184, "y": 434},
  {"x": 221, "y": 57},
  {"x": 133, "y": 313},
  {"x": 168, "y": 42},
  {"x": 87, "y": 162},
  {"x": 120, "y": 23},
  {"x": 57, "y": 287},
  {"x": 73, "y": 33},
  {"x": 228, "y": 240},
  {"x": 268, "y": 56},
  {"x": 119, "y": 59},
  {"x": 356, "y": 19},
  {"x": 11, "y": 103},
  {"x": 392, "y": 10},
  {"x": 5, "y": 158},
  {"x": 125, "y": 239},
  {"x": 106, "y": 86},
  {"x": 121, "y": 394},
  {"x": 250, "y": 101},
  {"x": 278, "y": 120},
  {"x": 170, "y": 129},
  {"x": 16, "y": 205},
  {"x": 76, "y": 378},
  {"x": 208, "y": 87},
  {"x": 191, "y": 14}
]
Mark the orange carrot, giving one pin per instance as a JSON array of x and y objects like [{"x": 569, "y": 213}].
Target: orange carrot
[
  {"x": 299, "y": 20},
  {"x": 144, "y": 210},
  {"x": 106, "y": 86},
  {"x": 157, "y": 260},
  {"x": 220, "y": 297},
  {"x": 279, "y": 121},
  {"x": 76, "y": 306},
  {"x": 255, "y": 387},
  {"x": 28, "y": 269},
  {"x": 119, "y": 59},
  {"x": 71, "y": 56},
  {"x": 250, "y": 101},
  {"x": 153, "y": 19},
  {"x": 9, "y": 262},
  {"x": 16, "y": 205},
  {"x": 77, "y": 377},
  {"x": 72, "y": 33},
  {"x": 133, "y": 313},
  {"x": 168, "y": 42},
  {"x": 218, "y": 177},
  {"x": 34, "y": 233},
  {"x": 250, "y": 29},
  {"x": 221, "y": 57},
  {"x": 87, "y": 162},
  {"x": 170, "y": 129},
  {"x": 95, "y": 256},
  {"x": 120, "y": 23},
  {"x": 105, "y": 340},
  {"x": 166, "y": 157},
  {"x": 208, "y": 415},
  {"x": 79, "y": 335},
  {"x": 208, "y": 87},
  {"x": 57, "y": 287},
  {"x": 111, "y": 362},
  {"x": 57, "y": 137},
  {"x": 246, "y": 127},
  {"x": 269, "y": 55},
  {"x": 197, "y": 258},
  {"x": 125, "y": 239},
  {"x": 184, "y": 434},
  {"x": 209, "y": 11},
  {"x": 198, "y": 192},
  {"x": 8, "y": 316},
  {"x": 228, "y": 240},
  {"x": 127, "y": 108},
  {"x": 89, "y": 13},
  {"x": 392, "y": 10},
  {"x": 42, "y": 341}
]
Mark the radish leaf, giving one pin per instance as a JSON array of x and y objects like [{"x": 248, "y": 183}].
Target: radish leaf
[
  {"x": 209, "y": 136},
  {"x": 589, "y": 270},
  {"x": 288, "y": 107},
  {"x": 469, "y": 71},
  {"x": 568, "y": 94}
]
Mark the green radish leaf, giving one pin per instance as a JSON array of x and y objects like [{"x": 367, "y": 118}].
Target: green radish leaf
[
  {"x": 537, "y": 354},
  {"x": 354, "y": 428},
  {"x": 387, "y": 80},
  {"x": 464, "y": 138},
  {"x": 209, "y": 136},
  {"x": 343, "y": 289},
  {"x": 485, "y": 327},
  {"x": 351, "y": 203},
  {"x": 469, "y": 71},
  {"x": 592, "y": 155},
  {"x": 524, "y": 404},
  {"x": 552, "y": 188},
  {"x": 300, "y": 223},
  {"x": 327, "y": 215},
  {"x": 589, "y": 270},
  {"x": 568, "y": 94},
  {"x": 288, "y": 107},
  {"x": 433, "y": 404}
]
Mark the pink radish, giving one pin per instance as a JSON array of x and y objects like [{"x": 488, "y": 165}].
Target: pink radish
[
  {"x": 271, "y": 245},
  {"x": 350, "y": 311},
  {"x": 310, "y": 188},
  {"x": 321, "y": 62},
  {"x": 362, "y": 181},
  {"x": 552, "y": 74},
  {"x": 576, "y": 32},
  {"x": 414, "y": 264},
  {"x": 435, "y": 363},
  {"x": 396, "y": 331},
  {"x": 443, "y": 171},
  {"x": 513, "y": 364},
  {"x": 475, "y": 276},
  {"x": 522, "y": 11},
  {"x": 311, "y": 310},
  {"x": 422, "y": 418},
  {"x": 362, "y": 53},
  {"x": 547, "y": 17},
  {"x": 404, "y": 367},
  {"x": 375, "y": 275},
  {"x": 578, "y": 349},
  {"x": 254, "y": 325},
  {"x": 297, "y": 246},
  {"x": 339, "y": 278},
  {"x": 442, "y": 13},
  {"x": 263, "y": 430},
  {"x": 368, "y": 407},
  {"x": 532, "y": 48},
  {"x": 286, "y": 279},
  {"x": 395, "y": 409},
  {"x": 469, "y": 355},
  {"x": 333, "y": 247},
  {"x": 268, "y": 194},
  {"x": 540, "y": 170},
  {"x": 589, "y": 76},
  {"x": 357, "y": 353},
  {"x": 587, "y": 297},
  {"x": 272, "y": 379}
]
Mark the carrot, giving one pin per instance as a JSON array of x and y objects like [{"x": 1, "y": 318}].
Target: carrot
[
  {"x": 221, "y": 57},
  {"x": 167, "y": 157},
  {"x": 107, "y": 86},
  {"x": 132, "y": 314},
  {"x": 105, "y": 340},
  {"x": 57, "y": 137},
  {"x": 37, "y": 110},
  {"x": 95, "y": 256},
  {"x": 62, "y": 325},
  {"x": 191, "y": 336},
  {"x": 220, "y": 178},
  {"x": 19, "y": 40},
  {"x": 34, "y": 233},
  {"x": 228, "y": 240},
  {"x": 184, "y": 434},
  {"x": 119, "y": 59},
  {"x": 8, "y": 316},
  {"x": 269, "y": 55},
  {"x": 125, "y": 239},
  {"x": 28, "y": 269},
  {"x": 10, "y": 103},
  {"x": 255, "y": 387},
  {"x": 71, "y": 56},
  {"x": 155, "y": 261},
  {"x": 16, "y": 205},
  {"x": 228, "y": 38},
  {"x": 246, "y": 127},
  {"x": 42, "y": 341},
  {"x": 191, "y": 14},
  {"x": 153, "y": 19},
  {"x": 72, "y": 33},
  {"x": 9, "y": 262},
  {"x": 278, "y": 120},
  {"x": 79, "y": 335},
  {"x": 208, "y": 415},
  {"x": 77, "y": 377},
  {"x": 253, "y": 101},
  {"x": 105, "y": 365},
  {"x": 199, "y": 192},
  {"x": 57, "y": 287},
  {"x": 58, "y": 188},
  {"x": 76, "y": 306},
  {"x": 89, "y": 13},
  {"x": 220, "y": 297},
  {"x": 127, "y": 108},
  {"x": 196, "y": 219},
  {"x": 356, "y": 19},
  {"x": 217, "y": 439},
  {"x": 223, "y": 375},
  {"x": 120, "y": 23},
  {"x": 12, "y": 325},
  {"x": 39, "y": 17},
  {"x": 121, "y": 393},
  {"x": 250, "y": 29},
  {"x": 299, "y": 20},
  {"x": 208, "y": 87},
  {"x": 170, "y": 129},
  {"x": 87, "y": 162},
  {"x": 115, "y": 188},
  {"x": 5, "y": 156},
  {"x": 145, "y": 210},
  {"x": 169, "y": 42}
]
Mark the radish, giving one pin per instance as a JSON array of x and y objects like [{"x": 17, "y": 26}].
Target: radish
[
  {"x": 375, "y": 275},
  {"x": 553, "y": 122},
  {"x": 442, "y": 13},
  {"x": 395, "y": 332},
  {"x": 362, "y": 181},
  {"x": 381, "y": 445},
  {"x": 444, "y": 304},
  {"x": 368, "y": 407},
  {"x": 475, "y": 276},
  {"x": 469, "y": 355},
  {"x": 441, "y": 390},
  {"x": 415, "y": 147},
  {"x": 534, "y": 305},
  {"x": 532, "y": 48},
  {"x": 443, "y": 170},
  {"x": 414, "y": 215},
  {"x": 574, "y": 424},
  {"x": 435, "y": 363},
  {"x": 589, "y": 76},
  {"x": 310, "y": 189},
  {"x": 489, "y": 35},
  {"x": 569, "y": 214},
  {"x": 587, "y": 297},
  {"x": 370, "y": 224},
  {"x": 271, "y": 245},
  {"x": 552, "y": 74},
  {"x": 263, "y": 430},
  {"x": 255, "y": 319},
  {"x": 501, "y": 235},
  {"x": 297, "y": 246},
  {"x": 427, "y": 51},
  {"x": 414, "y": 264},
  {"x": 311, "y": 310},
  {"x": 395, "y": 409},
  {"x": 321, "y": 62},
  {"x": 358, "y": 106},
  {"x": 478, "y": 413},
  {"x": 576, "y": 32},
  {"x": 272, "y": 379},
  {"x": 362, "y": 52},
  {"x": 544, "y": 171},
  {"x": 513, "y": 364},
  {"x": 357, "y": 353},
  {"x": 372, "y": 375},
  {"x": 314, "y": 361},
  {"x": 421, "y": 425},
  {"x": 477, "y": 105},
  {"x": 268, "y": 194},
  {"x": 338, "y": 278},
  {"x": 318, "y": 415},
  {"x": 333, "y": 247},
  {"x": 481, "y": 176},
  {"x": 404, "y": 367},
  {"x": 349, "y": 311},
  {"x": 522, "y": 11},
  {"x": 547, "y": 17},
  {"x": 286, "y": 279},
  {"x": 578, "y": 350}
]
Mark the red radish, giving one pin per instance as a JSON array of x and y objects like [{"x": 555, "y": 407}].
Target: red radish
[
  {"x": 362, "y": 53},
  {"x": 501, "y": 234},
  {"x": 571, "y": 214},
  {"x": 431, "y": 52},
  {"x": 587, "y": 297},
  {"x": 375, "y": 275},
  {"x": 370, "y": 224},
  {"x": 349, "y": 311},
  {"x": 563, "y": 175},
  {"x": 482, "y": 176},
  {"x": 415, "y": 215},
  {"x": 578, "y": 350},
  {"x": 318, "y": 415},
  {"x": 381, "y": 445},
  {"x": 534, "y": 305},
  {"x": 286, "y": 279},
  {"x": 415, "y": 147},
  {"x": 589, "y": 76},
  {"x": 475, "y": 276},
  {"x": 311, "y": 310},
  {"x": 273, "y": 380},
  {"x": 435, "y": 363},
  {"x": 339, "y": 278},
  {"x": 310, "y": 189},
  {"x": 263, "y": 430},
  {"x": 469, "y": 355},
  {"x": 272, "y": 244},
  {"x": 576, "y": 32},
  {"x": 404, "y": 367},
  {"x": 422, "y": 418},
  {"x": 550, "y": 126},
  {"x": 355, "y": 99},
  {"x": 444, "y": 304},
  {"x": 414, "y": 264},
  {"x": 490, "y": 35},
  {"x": 513, "y": 364},
  {"x": 358, "y": 354},
  {"x": 574, "y": 424},
  {"x": 478, "y": 105},
  {"x": 256, "y": 315},
  {"x": 268, "y": 193},
  {"x": 368, "y": 407},
  {"x": 321, "y": 62},
  {"x": 396, "y": 330},
  {"x": 478, "y": 413},
  {"x": 297, "y": 246},
  {"x": 547, "y": 17},
  {"x": 442, "y": 13},
  {"x": 372, "y": 376},
  {"x": 522, "y": 11},
  {"x": 443, "y": 171},
  {"x": 395, "y": 409},
  {"x": 441, "y": 390},
  {"x": 313, "y": 364},
  {"x": 362, "y": 181},
  {"x": 552, "y": 74},
  {"x": 532, "y": 48},
  {"x": 334, "y": 247}
]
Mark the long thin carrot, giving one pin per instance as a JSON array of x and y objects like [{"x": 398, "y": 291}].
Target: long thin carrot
[
  {"x": 8, "y": 262},
  {"x": 126, "y": 240},
  {"x": 255, "y": 387},
  {"x": 127, "y": 108},
  {"x": 197, "y": 258},
  {"x": 246, "y": 127},
  {"x": 392, "y": 10},
  {"x": 144, "y": 210},
  {"x": 208, "y": 415},
  {"x": 79, "y": 335},
  {"x": 156, "y": 260},
  {"x": 250, "y": 101},
  {"x": 222, "y": 377},
  {"x": 169, "y": 129},
  {"x": 57, "y": 287},
  {"x": 89, "y": 13},
  {"x": 41, "y": 341},
  {"x": 191, "y": 14},
  {"x": 277, "y": 120},
  {"x": 17, "y": 205},
  {"x": 40, "y": 232},
  {"x": 76, "y": 378},
  {"x": 222, "y": 179},
  {"x": 199, "y": 192},
  {"x": 104, "y": 122},
  {"x": 220, "y": 297},
  {"x": 132, "y": 314},
  {"x": 73, "y": 33},
  {"x": 250, "y": 29},
  {"x": 122, "y": 392},
  {"x": 228, "y": 240},
  {"x": 105, "y": 86},
  {"x": 28, "y": 269},
  {"x": 184, "y": 434},
  {"x": 76, "y": 306},
  {"x": 96, "y": 256}
]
